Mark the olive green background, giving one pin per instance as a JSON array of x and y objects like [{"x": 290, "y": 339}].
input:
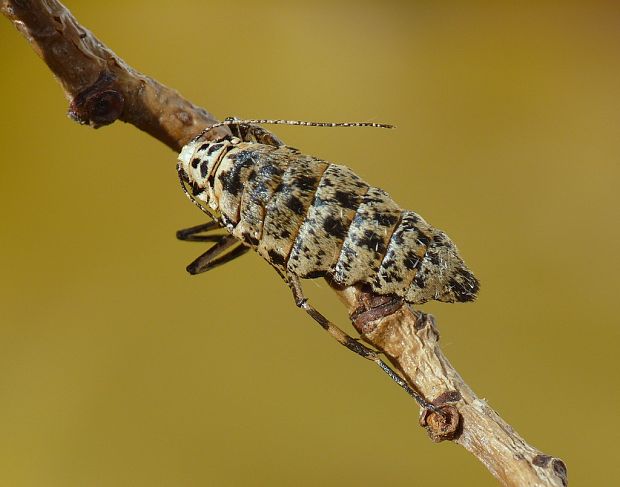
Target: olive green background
[{"x": 119, "y": 369}]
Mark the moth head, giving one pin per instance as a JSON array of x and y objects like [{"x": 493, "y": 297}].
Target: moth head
[
  {"x": 185, "y": 158},
  {"x": 198, "y": 159},
  {"x": 196, "y": 166},
  {"x": 188, "y": 169},
  {"x": 189, "y": 163}
]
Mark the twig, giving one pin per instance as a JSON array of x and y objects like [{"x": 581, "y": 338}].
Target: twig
[
  {"x": 100, "y": 86},
  {"x": 101, "y": 89},
  {"x": 410, "y": 340}
]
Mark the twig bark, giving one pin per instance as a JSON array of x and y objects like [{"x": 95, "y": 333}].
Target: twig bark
[
  {"x": 410, "y": 341},
  {"x": 101, "y": 89}
]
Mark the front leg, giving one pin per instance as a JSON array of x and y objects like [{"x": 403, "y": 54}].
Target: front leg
[
  {"x": 211, "y": 258},
  {"x": 216, "y": 255},
  {"x": 191, "y": 234}
]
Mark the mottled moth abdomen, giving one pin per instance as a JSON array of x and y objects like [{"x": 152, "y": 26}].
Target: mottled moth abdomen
[{"x": 310, "y": 218}]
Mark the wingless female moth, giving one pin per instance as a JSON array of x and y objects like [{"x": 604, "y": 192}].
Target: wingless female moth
[{"x": 310, "y": 218}]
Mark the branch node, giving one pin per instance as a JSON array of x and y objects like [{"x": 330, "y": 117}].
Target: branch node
[
  {"x": 557, "y": 465},
  {"x": 99, "y": 104},
  {"x": 370, "y": 309},
  {"x": 441, "y": 427},
  {"x": 424, "y": 320}
]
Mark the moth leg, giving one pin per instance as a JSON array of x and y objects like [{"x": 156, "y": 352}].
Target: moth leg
[
  {"x": 213, "y": 257},
  {"x": 191, "y": 234},
  {"x": 253, "y": 133},
  {"x": 353, "y": 344}
]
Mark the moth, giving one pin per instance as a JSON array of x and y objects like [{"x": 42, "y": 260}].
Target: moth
[{"x": 310, "y": 218}]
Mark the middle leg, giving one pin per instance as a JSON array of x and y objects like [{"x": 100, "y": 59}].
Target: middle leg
[{"x": 191, "y": 234}]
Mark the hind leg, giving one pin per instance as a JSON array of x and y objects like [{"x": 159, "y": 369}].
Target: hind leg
[{"x": 353, "y": 344}]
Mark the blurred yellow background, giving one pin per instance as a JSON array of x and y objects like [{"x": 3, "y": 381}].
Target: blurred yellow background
[{"x": 119, "y": 369}]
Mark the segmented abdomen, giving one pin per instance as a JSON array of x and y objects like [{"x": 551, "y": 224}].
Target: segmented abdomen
[{"x": 311, "y": 218}]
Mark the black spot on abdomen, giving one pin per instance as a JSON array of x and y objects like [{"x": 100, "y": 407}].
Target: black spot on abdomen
[
  {"x": 335, "y": 227},
  {"x": 231, "y": 180},
  {"x": 296, "y": 205},
  {"x": 346, "y": 200},
  {"x": 276, "y": 259}
]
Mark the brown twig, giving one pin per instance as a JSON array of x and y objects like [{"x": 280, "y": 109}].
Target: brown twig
[
  {"x": 410, "y": 340},
  {"x": 101, "y": 88}
]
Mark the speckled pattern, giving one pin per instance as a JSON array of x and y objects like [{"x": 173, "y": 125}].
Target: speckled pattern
[
  {"x": 320, "y": 238},
  {"x": 310, "y": 218},
  {"x": 366, "y": 242}
]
